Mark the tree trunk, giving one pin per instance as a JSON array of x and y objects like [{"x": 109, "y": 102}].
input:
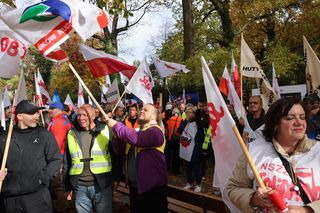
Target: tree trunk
[{"x": 188, "y": 31}]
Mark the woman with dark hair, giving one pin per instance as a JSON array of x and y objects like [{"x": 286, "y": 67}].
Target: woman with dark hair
[{"x": 288, "y": 162}]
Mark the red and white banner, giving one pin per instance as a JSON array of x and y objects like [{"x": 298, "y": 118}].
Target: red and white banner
[
  {"x": 44, "y": 94},
  {"x": 68, "y": 101},
  {"x": 226, "y": 148},
  {"x": 101, "y": 63},
  {"x": 166, "y": 68},
  {"x": 6, "y": 98},
  {"x": 235, "y": 76},
  {"x": 141, "y": 83}
]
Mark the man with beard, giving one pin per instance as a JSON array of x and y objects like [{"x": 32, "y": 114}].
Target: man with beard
[{"x": 151, "y": 171}]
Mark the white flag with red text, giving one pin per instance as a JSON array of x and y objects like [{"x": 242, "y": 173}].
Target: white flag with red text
[
  {"x": 166, "y": 68},
  {"x": 224, "y": 142},
  {"x": 44, "y": 94},
  {"x": 80, "y": 96},
  {"x": 141, "y": 83},
  {"x": 312, "y": 68}
]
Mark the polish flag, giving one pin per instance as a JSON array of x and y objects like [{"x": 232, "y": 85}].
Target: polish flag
[
  {"x": 101, "y": 63},
  {"x": 223, "y": 83},
  {"x": 80, "y": 96},
  {"x": 43, "y": 91},
  {"x": 235, "y": 76},
  {"x": 166, "y": 68},
  {"x": 226, "y": 148}
]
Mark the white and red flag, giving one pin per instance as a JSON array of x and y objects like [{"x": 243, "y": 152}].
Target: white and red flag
[
  {"x": 68, "y": 101},
  {"x": 166, "y": 68},
  {"x": 101, "y": 63},
  {"x": 113, "y": 94},
  {"x": 312, "y": 68},
  {"x": 141, "y": 83},
  {"x": 275, "y": 84},
  {"x": 21, "y": 92},
  {"x": 235, "y": 76},
  {"x": 223, "y": 83},
  {"x": 250, "y": 68},
  {"x": 6, "y": 97},
  {"x": 2, "y": 112},
  {"x": 44, "y": 94},
  {"x": 224, "y": 142},
  {"x": 80, "y": 96},
  {"x": 48, "y": 24}
]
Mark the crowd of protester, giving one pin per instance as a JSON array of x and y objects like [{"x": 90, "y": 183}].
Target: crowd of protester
[{"x": 78, "y": 157}]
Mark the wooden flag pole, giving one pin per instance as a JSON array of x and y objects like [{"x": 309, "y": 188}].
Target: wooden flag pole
[
  {"x": 6, "y": 149},
  {"x": 87, "y": 90}
]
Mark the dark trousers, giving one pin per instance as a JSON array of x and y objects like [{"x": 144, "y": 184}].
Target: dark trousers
[
  {"x": 135, "y": 201},
  {"x": 60, "y": 203},
  {"x": 39, "y": 201},
  {"x": 155, "y": 200},
  {"x": 193, "y": 172}
]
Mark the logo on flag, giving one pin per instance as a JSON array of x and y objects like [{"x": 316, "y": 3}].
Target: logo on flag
[
  {"x": 214, "y": 117},
  {"x": 146, "y": 82},
  {"x": 46, "y": 11}
]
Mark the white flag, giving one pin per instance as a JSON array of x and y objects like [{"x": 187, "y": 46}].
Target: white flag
[
  {"x": 68, "y": 101},
  {"x": 6, "y": 98},
  {"x": 141, "y": 83},
  {"x": 275, "y": 84},
  {"x": 44, "y": 94},
  {"x": 108, "y": 82},
  {"x": 21, "y": 92},
  {"x": 80, "y": 96},
  {"x": 312, "y": 68},
  {"x": 226, "y": 148},
  {"x": 166, "y": 68},
  {"x": 250, "y": 68},
  {"x": 90, "y": 101},
  {"x": 2, "y": 115},
  {"x": 112, "y": 94},
  {"x": 104, "y": 90}
]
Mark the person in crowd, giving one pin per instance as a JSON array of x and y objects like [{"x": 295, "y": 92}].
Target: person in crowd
[
  {"x": 182, "y": 108},
  {"x": 287, "y": 160},
  {"x": 33, "y": 160},
  {"x": 118, "y": 113},
  {"x": 192, "y": 132},
  {"x": 313, "y": 104},
  {"x": 68, "y": 110},
  {"x": 255, "y": 115},
  {"x": 151, "y": 172},
  {"x": 59, "y": 125},
  {"x": 87, "y": 164},
  {"x": 131, "y": 121},
  {"x": 172, "y": 145}
]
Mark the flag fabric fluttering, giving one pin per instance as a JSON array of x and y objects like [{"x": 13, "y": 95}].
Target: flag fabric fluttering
[
  {"x": 101, "y": 63},
  {"x": 275, "y": 84},
  {"x": 141, "y": 83},
  {"x": 250, "y": 68},
  {"x": 223, "y": 83},
  {"x": 108, "y": 81},
  {"x": 235, "y": 76},
  {"x": 80, "y": 96},
  {"x": 312, "y": 68},
  {"x": 21, "y": 92},
  {"x": 166, "y": 68},
  {"x": 113, "y": 94},
  {"x": 37, "y": 91},
  {"x": 68, "y": 101},
  {"x": 2, "y": 112},
  {"x": 104, "y": 90},
  {"x": 56, "y": 97},
  {"x": 48, "y": 24},
  {"x": 6, "y": 98},
  {"x": 224, "y": 142},
  {"x": 44, "y": 94}
]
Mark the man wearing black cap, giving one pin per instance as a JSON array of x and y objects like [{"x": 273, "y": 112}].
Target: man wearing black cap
[{"x": 33, "y": 159}]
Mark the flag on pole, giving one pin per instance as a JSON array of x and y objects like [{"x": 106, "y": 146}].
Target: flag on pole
[
  {"x": 68, "y": 101},
  {"x": 104, "y": 90},
  {"x": 48, "y": 24},
  {"x": 44, "y": 94},
  {"x": 57, "y": 55},
  {"x": 166, "y": 68},
  {"x": 226, "y": 148},
  {"x": 90, "y": 101},
  {"x": 2, "y": 115},
  {"x": 6, "y": 98},
  {"x": 250, "y": 68},
  {"x": 37, "y": 91},
  {"x": 223, "y": 83},
  {"x": 80, "y": 96},
  {"x": 275, "y": 84},
  {"x": 312, "y": 68},
  {"x": 235, "y": 76},
  {"x": 101, "y": 63},
  {"x": 108, "y": 81},
  {"x": 56, "y": 97},
  {"x": 141, "y": 83},
  {"x": 113, "y": 94},
  {"x": 184, "y": 96},
  {"x": 21, "y": 92}
]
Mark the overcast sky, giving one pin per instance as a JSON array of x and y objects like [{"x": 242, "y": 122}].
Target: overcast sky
[{"x": 135, "y": 44}]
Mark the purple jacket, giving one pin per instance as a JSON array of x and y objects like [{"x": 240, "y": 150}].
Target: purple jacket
[{"x": 151, "y": 163}]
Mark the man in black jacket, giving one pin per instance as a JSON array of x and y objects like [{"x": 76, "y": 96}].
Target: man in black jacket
[{"x": 34, "y": 158}]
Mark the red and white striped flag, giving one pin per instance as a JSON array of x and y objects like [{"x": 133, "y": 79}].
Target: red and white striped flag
[
  {"x": 101, "y": 63},
  {"x": 80, "y": 96},
  {"x": 235, "y": 76},
  {"x": 43, "y": 91},
  {"x": 226, "y": 148}
]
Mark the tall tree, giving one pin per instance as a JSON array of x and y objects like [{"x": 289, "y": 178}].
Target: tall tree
[{"x": 188, "y": 32}]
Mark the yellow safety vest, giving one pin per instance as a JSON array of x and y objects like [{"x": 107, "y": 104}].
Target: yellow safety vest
[
  {"x": 159, "y": 148},
  {"x": 207, "y": 138},
  {"x": 101, "y": 159}
]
